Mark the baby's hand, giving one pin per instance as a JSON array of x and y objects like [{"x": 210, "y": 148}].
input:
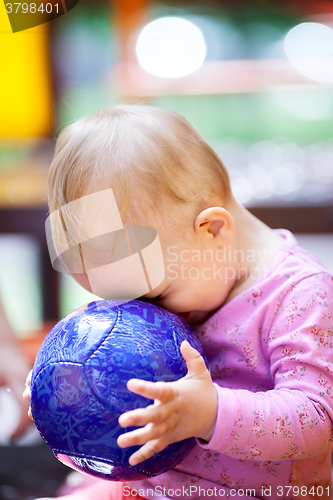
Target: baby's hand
[
  {"x": 26, "y": 393},
  {"x": 182, "y": 409}
]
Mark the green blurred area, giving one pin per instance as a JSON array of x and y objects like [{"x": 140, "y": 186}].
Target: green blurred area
[
  {"x": 11, "y": 154},
  {"x": 73, "y": 295},
  {"x": 251, "y": 117}
]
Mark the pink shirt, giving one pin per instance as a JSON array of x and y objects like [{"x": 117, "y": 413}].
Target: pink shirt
[{"x": 270, "y": 351}]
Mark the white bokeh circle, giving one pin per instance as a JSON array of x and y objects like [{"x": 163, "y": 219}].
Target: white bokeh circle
[
  {"x": 309, "y": 48},
  {"x": 171, "y": 47}
]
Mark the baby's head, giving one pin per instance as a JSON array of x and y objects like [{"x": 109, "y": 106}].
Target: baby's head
[{"x": 162, "y": 172}]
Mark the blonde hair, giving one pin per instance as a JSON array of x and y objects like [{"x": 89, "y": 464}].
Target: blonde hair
[{"x": 155, "y": 161}]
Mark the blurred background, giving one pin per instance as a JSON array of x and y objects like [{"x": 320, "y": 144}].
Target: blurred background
[{"x": 254, "y": 76}]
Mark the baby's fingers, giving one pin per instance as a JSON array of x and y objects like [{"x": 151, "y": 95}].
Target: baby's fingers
[
  {"x": 162, "y": 391},
  {"x": 142, "y": 436},
  {"x": 147, "y": 451},
  {"x": 194, "y": 361},
  {"x": 26, "y": 393},
  {"x": 136, "y": 418},
  {"x": 144, "y": 416},
  {"x": 28, "y": 379}
]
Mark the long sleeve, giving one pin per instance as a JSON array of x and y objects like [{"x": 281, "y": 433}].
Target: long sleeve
[
  {"x": 293, "y": 420},
  {"x": 270, "y": 352}
]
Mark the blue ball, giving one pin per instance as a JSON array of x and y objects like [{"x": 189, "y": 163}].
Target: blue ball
[{"x": 78, "y": 385}]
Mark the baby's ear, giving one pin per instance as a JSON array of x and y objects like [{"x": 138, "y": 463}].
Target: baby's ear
[
  {"x": 215, "y": 226},
  {"x": 218, "y": 222}
]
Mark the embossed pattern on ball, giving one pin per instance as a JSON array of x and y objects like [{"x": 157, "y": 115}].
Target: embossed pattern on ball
[{"x": 78, "y": 386}]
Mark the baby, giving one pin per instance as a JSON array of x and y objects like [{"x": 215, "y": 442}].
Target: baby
[{"x": 261, "y": 306}]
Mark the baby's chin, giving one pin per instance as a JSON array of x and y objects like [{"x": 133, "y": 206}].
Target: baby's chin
[{"x": 194, "y": 318}]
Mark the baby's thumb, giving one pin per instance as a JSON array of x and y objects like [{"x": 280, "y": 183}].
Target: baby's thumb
[{"x": 194, "y": 361}]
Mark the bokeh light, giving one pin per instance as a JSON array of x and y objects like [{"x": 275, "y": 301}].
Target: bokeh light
[
  {"x": 278, "y": 172},
  {"x": 171, "y": 47},
  {"x": 309, "y": 48}
]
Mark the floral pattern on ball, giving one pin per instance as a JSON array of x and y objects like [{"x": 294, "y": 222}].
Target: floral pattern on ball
[{"x": 78, "y": 387}]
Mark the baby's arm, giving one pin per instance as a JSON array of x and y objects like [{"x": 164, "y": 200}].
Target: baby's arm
[
  {"x": 182, "y": 409},
  {"x": 293, "y": 420}
]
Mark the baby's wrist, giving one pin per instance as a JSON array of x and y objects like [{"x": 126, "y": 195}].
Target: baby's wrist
[{"x": 208, "y": 432}]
